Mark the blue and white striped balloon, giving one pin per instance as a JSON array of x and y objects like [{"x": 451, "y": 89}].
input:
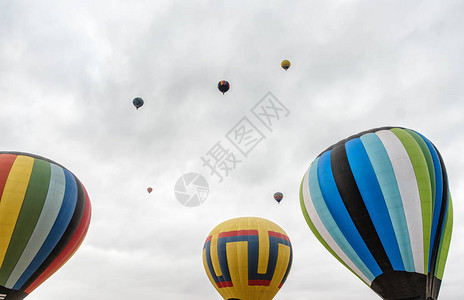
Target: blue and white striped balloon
[{"x": 379, "y": 202}]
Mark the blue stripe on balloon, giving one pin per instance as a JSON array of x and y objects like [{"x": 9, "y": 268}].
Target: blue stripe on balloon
[
  {"x": 340, "y": 214},
  {"x": 383, "y": 169},
  {"x": 438, "y": 197},
  {"x": 329, "y": 223},
  {"x": 371, "y": 193},
  {"x": 59, "y": 227}
]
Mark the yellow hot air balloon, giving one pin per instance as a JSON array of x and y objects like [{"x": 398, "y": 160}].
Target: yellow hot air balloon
[
  {"x": 285, "y": 64},
  {"x": 247, "y": 258}
]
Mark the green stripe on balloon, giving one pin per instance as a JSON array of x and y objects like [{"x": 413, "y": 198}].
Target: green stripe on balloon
[{"x": 445, "y": 241}]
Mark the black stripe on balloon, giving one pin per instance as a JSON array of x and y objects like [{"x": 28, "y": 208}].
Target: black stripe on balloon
[
  {"x": 441, "y": 220},
  {"x": 67, "y": 235},
  {"x": 354, "y": 203}
]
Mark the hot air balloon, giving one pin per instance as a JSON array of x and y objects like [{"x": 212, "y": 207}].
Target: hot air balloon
[
  {"x": 247, "y": 258},
  {"x": 223, "y": 86},
  {"x": 149, "y": 190},
  {"x": 285, "y": 64},
  {"x": 45, "y": 213},
  {"x": 379, "y": 202},
  {"x": 278, "y": 197},
  {"x": 138, "y": 102}
]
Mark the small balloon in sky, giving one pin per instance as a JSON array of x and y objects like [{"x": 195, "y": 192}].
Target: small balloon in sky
[
  {"x": 278, "y": 197},
  {"x": 138, "y": 102},
  {"x": 149, "y": 189},
  {"x": 285, "y": 64},
  {"x": 223, "y": 86}
]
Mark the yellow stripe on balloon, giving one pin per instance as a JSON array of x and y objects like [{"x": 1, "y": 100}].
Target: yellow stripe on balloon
[
  {"x": 214, "y": 255},
  {"x": 281, "y": 267},
  {"x": 237, "y": 259},
  {"x": 12, "y": 199},
  {"x": 263, "y": 249}
]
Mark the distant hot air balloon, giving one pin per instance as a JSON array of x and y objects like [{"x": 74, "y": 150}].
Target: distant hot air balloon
[
  {"x": 379, "y": 202},
  {"x": 278, "y": 196},
  {"x": 285, "y": 64},
  {"x": 138, "y": 102},
  {"x": 247, "y": 258},
  {"x": 45, "y": 213},
  {"x": 149, "y": 189},
  {"x": 223, "y": 86}
]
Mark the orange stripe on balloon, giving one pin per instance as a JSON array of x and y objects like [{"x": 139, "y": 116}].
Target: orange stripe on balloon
[
  {"x": 69, "y": 250},
  {"x": 6, "y": 161}
]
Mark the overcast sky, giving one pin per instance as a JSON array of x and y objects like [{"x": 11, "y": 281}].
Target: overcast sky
[{"x": 70, "y": 69}]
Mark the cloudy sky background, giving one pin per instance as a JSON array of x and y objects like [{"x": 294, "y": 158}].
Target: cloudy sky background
[{"x": 69, "y": 71}]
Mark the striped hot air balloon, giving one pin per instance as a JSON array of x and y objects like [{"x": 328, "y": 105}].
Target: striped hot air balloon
[
  {"x": 379, "y": 202},
  {"x": 247, "y": 258},
  {"x": 44, "y": 216}
]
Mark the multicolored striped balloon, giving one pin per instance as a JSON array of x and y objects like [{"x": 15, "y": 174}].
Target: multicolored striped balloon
[
  {"x": 247, "y": 258},
  {"x": 44, "y": 216},
  {"x": 379, "y": 202},
  {"x": 223, "y": 86}
]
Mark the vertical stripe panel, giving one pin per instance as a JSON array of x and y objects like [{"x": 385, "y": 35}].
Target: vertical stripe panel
[
  {"x": 57, "y": 231},
  {"x": 44, "y": 225},
  {"x": 12, "y": 199},
  {"x": 366, "y": 181},
  {"x": 445, "y": 242},
  {"x": 340, "y": 214},
  {"x": 437, "y": 199},
  {"x": 421, "y": 172},
  {"x": 409, "y": 193},
  {"x": 325, "y": 228},
  {"x": 420, "y": 140},
  {"x": 388, "y": 184}
]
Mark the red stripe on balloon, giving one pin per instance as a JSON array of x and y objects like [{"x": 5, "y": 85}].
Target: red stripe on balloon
[
  {"x": 224, "y": 284},
  {"x": 238, "y": 233},
  {"x": 278, "y": 235},
  {"x": 69, "y": 250},
  {"x": 259, "y": 282},
  {"x": 6, "y": 162}
]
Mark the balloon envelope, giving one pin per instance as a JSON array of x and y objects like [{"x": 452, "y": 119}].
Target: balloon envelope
[
  {"x": 278, "y": 196},
  {"x": 149, "y": 190},
  {"x": 247, "y": 258},
  {"x": 379, "y": 202},
  {"x": 45, "y": 213},
  {"x": 138, "y": 102},
  {"x": 223, "y": 86},
  {"x": 285, "y": 64}
]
